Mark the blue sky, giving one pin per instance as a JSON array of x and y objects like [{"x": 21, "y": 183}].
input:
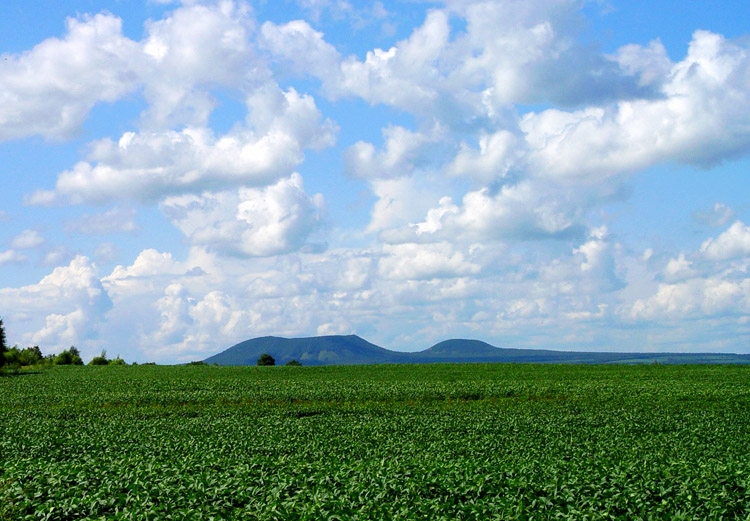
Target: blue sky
[{"x": 181, "y": 176}]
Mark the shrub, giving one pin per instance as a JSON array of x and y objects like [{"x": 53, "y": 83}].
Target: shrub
[
  {"x": 70, "y": 356},
  {"x": 3, "y": 346},
  {"x": 100, "y": 360},
  {"x": 266, "y": 359},
  {"x": 294, "y": 363}
]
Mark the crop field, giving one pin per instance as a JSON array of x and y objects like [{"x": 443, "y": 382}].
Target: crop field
[{"x": 433, "y": 442}]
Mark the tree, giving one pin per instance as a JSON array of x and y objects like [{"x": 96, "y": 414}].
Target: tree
[
  {"x": 266, "y": 359},
  {"x": 294, "y": 363},
  {"x": 101, "y": 359},
  {"x": 3, "y": 345},
  {"x": 70, "y": 356},
  {"x": 30, "y": 356}
]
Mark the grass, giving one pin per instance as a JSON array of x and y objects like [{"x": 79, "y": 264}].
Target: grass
[{"x": 446, "y": 441}]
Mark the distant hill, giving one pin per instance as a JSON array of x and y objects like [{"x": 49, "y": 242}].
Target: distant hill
[
  {"x": 351, "y": 350},
  {"x": 320, "y": 350}
]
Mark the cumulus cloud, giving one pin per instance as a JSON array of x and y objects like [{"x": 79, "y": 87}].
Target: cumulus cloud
[
  {"x": 403, "y": 152},
  {"x": 27, "y": 239},
  {"x": 11, "y": 257},
  {"x": 70, "y": 300},
  {"x": 497, "y": 155},
  {"x": 50, "y": 89},
  {"x": 695, "y": 298},
  {"x": 250, "y": 222},
  {"x": 679, "y": 268},
  {"x": 524, "y": 211},
  {"x": 699, "y": 119},
  {"x": 194, "y": 49},
  {"x": 57, "y": 256},
  {"x": 417, "y": 261},
  {"x": 399, "y": 201},
  {"x": 732, "y": 243},
  {"x": 709, "y": 284},
  {"x": 147, "y": 166}
]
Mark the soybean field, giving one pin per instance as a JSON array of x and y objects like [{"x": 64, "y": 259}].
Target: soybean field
[{"x": 444, "y": 441}]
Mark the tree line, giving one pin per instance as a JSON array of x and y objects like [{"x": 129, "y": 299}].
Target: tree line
[{"x": 16, "y": 357}]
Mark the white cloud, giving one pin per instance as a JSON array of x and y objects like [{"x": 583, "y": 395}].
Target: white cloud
[
  {"x": 302, "y": 48},
  {"x": 11, "y": 257},
  {"x": 498, "y": 154},
  {"x": 57, "y": 256},
  {"x": 149, "y": 263},
  {"x": 71, "y": 301},
  {"x": 399, "y": 201},
  {"x": 196, "y": 48},
  {"x": 700, "y": 119},
  {"x": 679, "y": 268},
  {"x": 404, "y": 151},
  {"x": 694, "y": 298},
  {"x": 147, "y": 166},
  {"x": 524, "y": 211},
  {"x": 50, "y": 89},
  {"x": 27, "y": 239},
  {"x": 732, "y": 243},
  {"x": 274, "y": 220},
  {"x": 418, "y": 261}
]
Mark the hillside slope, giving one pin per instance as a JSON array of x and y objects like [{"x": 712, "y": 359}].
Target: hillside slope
[
  {"x": 351, "y": 349},
  {"x": 322, "y": 350}
]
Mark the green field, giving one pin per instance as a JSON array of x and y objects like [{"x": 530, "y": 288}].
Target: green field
[{"x": 430, "y": 442}]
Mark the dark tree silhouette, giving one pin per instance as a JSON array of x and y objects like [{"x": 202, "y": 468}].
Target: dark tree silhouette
[
  {"x": 266, "y": 359},
  {"x": 3, "y": 345}
]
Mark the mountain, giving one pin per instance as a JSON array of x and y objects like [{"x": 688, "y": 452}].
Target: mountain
[
  {"x": 321, "y": 350},
  {"x": 351, "y": 350}
]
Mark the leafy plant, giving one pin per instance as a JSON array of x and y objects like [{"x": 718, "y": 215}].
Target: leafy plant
[{"x": 440, "y": 441}]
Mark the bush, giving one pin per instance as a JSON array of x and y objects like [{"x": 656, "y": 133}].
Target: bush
[
  {"x": 266, "y": 359},
  {"x": 3, "y": 346},
  {"x": 100, "y": 360},
  {"x": 70, "y": 356},
  {"x": 294, "y": 363},
  {"x": 30, "y": 356},
  {"x": 117, "y": 361}
]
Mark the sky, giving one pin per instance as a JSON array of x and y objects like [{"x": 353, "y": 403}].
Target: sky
[{"x": 180, "y": 176}]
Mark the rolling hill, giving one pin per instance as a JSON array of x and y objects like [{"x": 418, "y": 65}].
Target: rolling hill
[
  {"x": 322, "y": 350},
  {"x": 352, "y": 350}
]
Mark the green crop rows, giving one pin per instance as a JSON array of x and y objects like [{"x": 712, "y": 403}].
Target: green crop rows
[{"x": 376, "y": 442}]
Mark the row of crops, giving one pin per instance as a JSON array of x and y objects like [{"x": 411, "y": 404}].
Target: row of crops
[{"x": 376, "y": 442}]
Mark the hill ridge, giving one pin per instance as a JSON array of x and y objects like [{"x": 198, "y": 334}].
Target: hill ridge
[{"x": 353, "y": 350}]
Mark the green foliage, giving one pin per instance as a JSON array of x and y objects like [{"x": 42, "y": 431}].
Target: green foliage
[
  {"x": 71, "y": 356},
  {"x": 266, "y": 359},
  {"x": 100, "y": 360},
  {"x": 3, "y": 345},
  {"x": 17, "y": 358},
  {"x": 117, "y": 361},
  {"x": 439, "y": 442},
  {"x": 293, "y": 363},
  {"x": 194, "y": 362}
]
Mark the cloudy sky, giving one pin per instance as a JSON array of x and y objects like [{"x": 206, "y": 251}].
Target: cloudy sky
[{"x": 181, "y": 176}]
